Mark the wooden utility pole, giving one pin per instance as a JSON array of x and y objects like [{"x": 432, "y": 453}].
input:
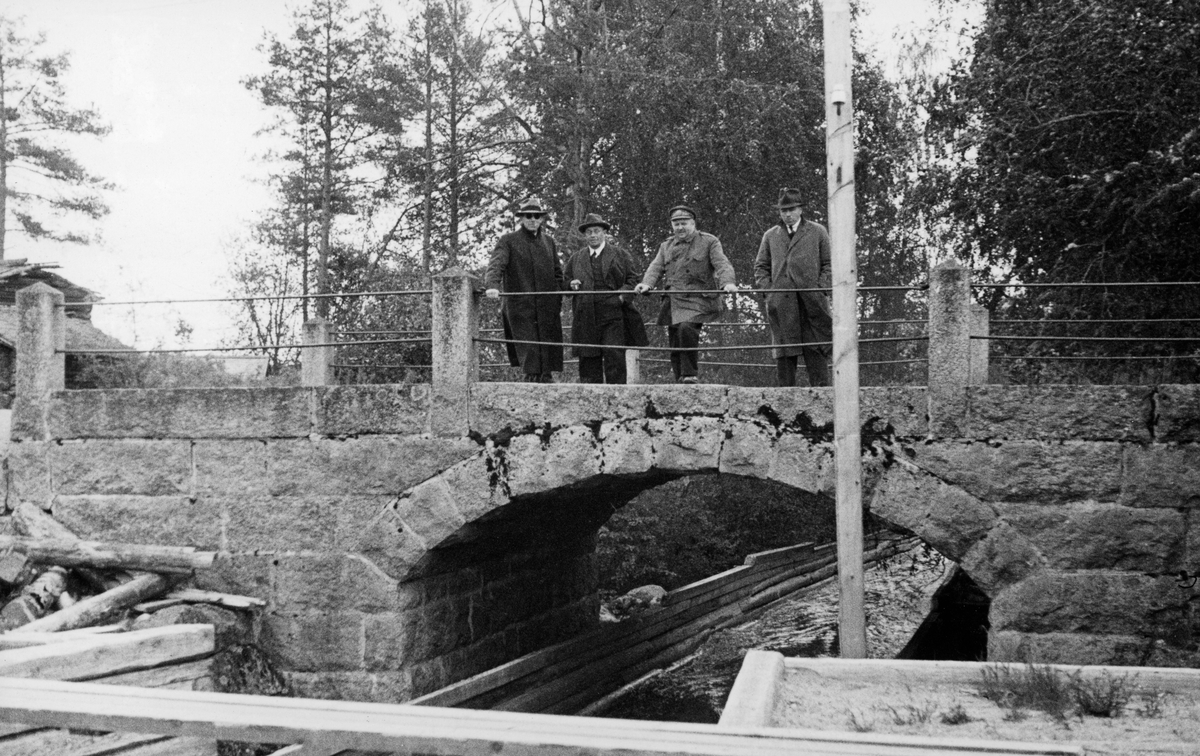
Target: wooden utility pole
[{"x": 839, "y": 149}]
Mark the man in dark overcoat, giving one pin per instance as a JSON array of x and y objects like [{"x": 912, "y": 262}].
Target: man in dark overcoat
[
  {"x": 689, "y": 261},
  {"x": 795, "y": 255},
  {"x": 607, "y": 319},
  {"x": 526, "y": 260}
]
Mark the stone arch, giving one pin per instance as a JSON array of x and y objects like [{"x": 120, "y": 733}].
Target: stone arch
[{"x": 611, "y": 461}]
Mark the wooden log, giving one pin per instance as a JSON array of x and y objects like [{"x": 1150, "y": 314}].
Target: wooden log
[
  {"x": 95, "y": 609},
  {"x": 419, "y": 729},
  {"x": 32, "y": 521},
  {"x": 72, "y": 552},
  {"x": 196, "y": 596},
  {"x": 105, "y": 655},
  {"x": 176, "y": 747}
]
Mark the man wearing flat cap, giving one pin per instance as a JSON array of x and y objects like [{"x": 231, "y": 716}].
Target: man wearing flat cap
[
  {"x": 690, "y": 260},
  {"x": 609, "y": 320},
  {"x": 526, "y": 260},
  {"x": 795, "y": 255}
]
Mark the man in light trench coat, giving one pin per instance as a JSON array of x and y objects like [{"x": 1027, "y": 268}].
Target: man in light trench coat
[
  {"x": 795, "y": 255},
  {"x": 690, "y": 260}
]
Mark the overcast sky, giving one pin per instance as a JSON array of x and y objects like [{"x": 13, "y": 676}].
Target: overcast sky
[{"x": 165, "y": 74}]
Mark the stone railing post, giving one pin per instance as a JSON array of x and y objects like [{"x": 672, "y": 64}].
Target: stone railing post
[
  {"x": 41, "y": 364},
  {"x": 949, "y": 347},
  {"x": 633, "y": 366},
  {"x": 316, "y": 362},
  {"x": 455, "y": 352},
  {"x": 980, "y": 326}
]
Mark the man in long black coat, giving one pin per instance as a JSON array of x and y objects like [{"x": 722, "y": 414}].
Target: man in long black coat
[
  {"x": 606, "y": 319},
  {"x": 795, "y": 255},
  {"x": 526, "y": 260}
]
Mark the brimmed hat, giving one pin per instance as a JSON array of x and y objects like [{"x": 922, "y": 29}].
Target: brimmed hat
[
  {"x": 682, "y": 211},
  {"x": 789, "y": 198},
  {"x": 530, "y": 205},
  {"x": 593, "y": 219}
]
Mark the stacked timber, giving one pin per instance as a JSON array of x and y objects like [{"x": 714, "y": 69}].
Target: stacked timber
[
  {"x": 78, "y": 610},
  {"x": 568, "y": 677}
]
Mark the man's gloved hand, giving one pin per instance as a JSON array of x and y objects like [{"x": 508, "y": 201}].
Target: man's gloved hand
[
  {"x": 575, "y": 284},
  {"x": 492, "y": 293},
  {"x": 730, "y": 288},
  {"x": 641, "y": 288}
]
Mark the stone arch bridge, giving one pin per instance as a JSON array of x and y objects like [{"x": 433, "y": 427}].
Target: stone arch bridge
[{"x": 407, "y": 536}]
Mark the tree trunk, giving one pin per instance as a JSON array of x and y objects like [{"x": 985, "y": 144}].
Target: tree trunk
[
  {"x": 70, "y": 552},
  {"x": 95, "y": 609}
]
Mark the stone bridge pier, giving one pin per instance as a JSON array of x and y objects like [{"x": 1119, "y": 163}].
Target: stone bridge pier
[{"x": 407, "y": 536}]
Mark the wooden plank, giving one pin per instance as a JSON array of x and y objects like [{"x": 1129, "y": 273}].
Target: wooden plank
[
  {"x": 960, "y": 673},
  {"x": 389, "y": 727},
  {"x": 104, "y": 655},
  {"x": 785, "y": 554},
  {"x": 193, "y": 675},
  {"x": 176, "y": 747},
  {"x": 24, "y": 640},
  {"x": 72, "y": 552},
  {"x": 63, "y": 743},
  {"x": 751, "y": 702},
  {"x": 100, "y": 607}
]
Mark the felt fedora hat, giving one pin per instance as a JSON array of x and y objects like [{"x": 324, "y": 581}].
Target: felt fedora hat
[
  {"x": 788, "y": 198},
  {"x": 593, "y": 219},
  {"x": 530, "y": 206}
]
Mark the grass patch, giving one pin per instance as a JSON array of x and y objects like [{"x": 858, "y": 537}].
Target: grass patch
[{"x": 1060, "y": 694}]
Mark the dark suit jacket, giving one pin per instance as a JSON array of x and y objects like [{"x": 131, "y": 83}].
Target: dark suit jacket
[{"x": 592, "y": 311}]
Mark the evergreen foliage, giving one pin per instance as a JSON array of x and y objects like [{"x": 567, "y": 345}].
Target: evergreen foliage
[{"x": 41, "y": 182}]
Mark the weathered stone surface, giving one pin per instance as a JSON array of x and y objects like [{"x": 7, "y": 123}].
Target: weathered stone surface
[
  {"x": 325, "y": 582},
  {"x": 241, "y": 574},
  {"x": 391, "y": 546},
  {"x": 366, "y": 465},
  {"x": 1067, "y": 648},
  {"x": 429, "y": 511},
  {"x": 28, "y": 473},
  {"x": 182, "y": 413},
  {"x": 748, "y": 448},
  {"x": 122, "y": 466},
  {"x": 388, "y": 640},
  {"x": 689, "y": 444},
  {"x": 946, "y": 517},
  {"x": 810, "y": 407},
  {"x": 1059, "y": 413},
  {"x": 1161, "y": 475},
  {"x": 152, "y": 520},
  {"x": 1001, "y": 558},
  {"x": 277, "y": 524},
  {"x": 537, "y": 463},
  {"x": 904, "y": 408},
  {"x": 316, "y": 641},
  {"x": 626, "y": 448},
  {"x": 800, "y": 463},
  {"x": 231, "y": 466},
  {"x": 1177, "y": 413},
  {"x": 475, "y": 484},
  {"x": 670, "y": 400},
  {"x": 949, "y": 350},
  {"x": 1092, "y": 536},
  {"x": 495, "y": 406},
  {"x": 1092, "y": 602},
  {"x": 1027, "y": 470},
  {"x": 359, "y": 410}
]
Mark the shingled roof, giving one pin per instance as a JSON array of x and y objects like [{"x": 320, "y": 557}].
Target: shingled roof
[{"x": 81, "y": 334}]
